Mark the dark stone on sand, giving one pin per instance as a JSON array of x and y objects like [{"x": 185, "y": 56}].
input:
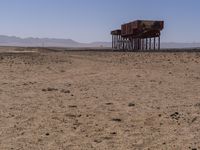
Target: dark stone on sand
[
  {"x": 44, "y": 90},
  {"x": 72, "y": 106},
  {"x": 116, "y": 120},
  {"x": 175, "y": 116},
  {"x": 113, "y": 133},
  {"x": 131, "y": 104},
  {"x": 109, "y": 103},
  {"x": 65, "y": 91},
  {"x": 52, "y": 89},
  {"x": 138, "y": 76},
  {"x": 47, "y": 134},
  {"x": 70, "y": 115},
  {"x": 170, "y": 72},
  {"x": 49, "y": 89}
]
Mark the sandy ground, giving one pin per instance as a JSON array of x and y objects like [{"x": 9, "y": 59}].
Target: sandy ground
[{"x": 99, "y": 100}]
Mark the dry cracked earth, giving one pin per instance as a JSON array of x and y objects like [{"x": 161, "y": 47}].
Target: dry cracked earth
[{"x": 98, "y": 100}]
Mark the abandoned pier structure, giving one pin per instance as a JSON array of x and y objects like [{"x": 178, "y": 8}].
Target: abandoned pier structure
[{"x": 138, "y": 35}]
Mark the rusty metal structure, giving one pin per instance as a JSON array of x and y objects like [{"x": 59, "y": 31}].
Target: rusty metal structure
[{"x": 138, "y": 35}]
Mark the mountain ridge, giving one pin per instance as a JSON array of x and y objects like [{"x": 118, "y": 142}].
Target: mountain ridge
[{"x": 56, "y": 42}]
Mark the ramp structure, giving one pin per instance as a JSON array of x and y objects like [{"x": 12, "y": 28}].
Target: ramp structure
[{"x": 138, "y": 35}]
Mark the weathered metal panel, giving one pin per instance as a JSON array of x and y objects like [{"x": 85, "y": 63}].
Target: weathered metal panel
[
  {"x": 138, "y": 27},
  {"x": 150, "y": 25},
  {"x": 116, "y": 32}
]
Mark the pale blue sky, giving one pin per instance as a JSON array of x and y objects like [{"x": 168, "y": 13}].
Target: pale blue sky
[{"x": 92, "y": 20}]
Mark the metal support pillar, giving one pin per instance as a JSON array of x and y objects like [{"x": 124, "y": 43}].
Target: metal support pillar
[
  {"x": 150, "y": 43},
  {"x": 112, "y": 41},
  {"x": 117, "y": 41},
  {"x": 132, "y": 45},
  {"x": 138, "y": 44},
  {"x": 142, "y": 44},
  {"x": 123, "y": 46},
  {"x": 135, "y": 44},
  {"x": 146, "y": 43}
]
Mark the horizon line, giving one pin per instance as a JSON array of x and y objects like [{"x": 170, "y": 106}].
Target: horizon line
[{"x": 58, "y": 38}]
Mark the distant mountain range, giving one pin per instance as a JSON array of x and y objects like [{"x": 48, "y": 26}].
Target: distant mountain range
[
  {"x": 180, "y": 45},
  {"x": 47, "y": 42},
  {"x": 52, "y": 42}
]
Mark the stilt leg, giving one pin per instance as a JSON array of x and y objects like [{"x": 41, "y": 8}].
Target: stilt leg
[{"x": 159, "y": 43}]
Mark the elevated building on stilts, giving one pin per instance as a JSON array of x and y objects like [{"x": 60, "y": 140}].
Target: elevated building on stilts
[{"x": 138, "y": 35}]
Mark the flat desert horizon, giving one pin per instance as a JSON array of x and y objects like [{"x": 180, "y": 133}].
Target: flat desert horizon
[{"x": 84, "y": 100}]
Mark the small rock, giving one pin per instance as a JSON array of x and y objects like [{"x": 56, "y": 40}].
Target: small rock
[
  {"x": 72, "y": 106},
  {"x": 138, "y": 76},
  {"x": 131, "y": 104},
  {"x": 49, "y": 89},
  {"x": 70, "y": 115},
  {"x": 113, "y": 133},
  {"x": 47, "y": 134},
  {"x": 109, "y": 103},
  {"x": 116, "y": 119},
  {"x": 65, "y": 91},
  {"x": 52, "y": 89},
  {"x": 175, "y": 116},
  {"x": 44, "y": 90}
]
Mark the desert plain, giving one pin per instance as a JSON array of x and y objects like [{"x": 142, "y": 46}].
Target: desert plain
[{"x": 97, "y": 100}]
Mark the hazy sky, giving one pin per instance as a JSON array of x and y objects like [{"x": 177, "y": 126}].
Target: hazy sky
[{"x": 92, "y": 20}]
